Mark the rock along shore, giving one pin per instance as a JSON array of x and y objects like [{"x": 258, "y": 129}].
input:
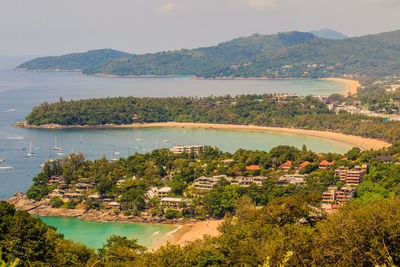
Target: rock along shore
[{"x": 43, "y": 208}]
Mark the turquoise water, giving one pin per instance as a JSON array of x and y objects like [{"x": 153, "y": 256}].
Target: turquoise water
[{"x": 94, "y": 234}]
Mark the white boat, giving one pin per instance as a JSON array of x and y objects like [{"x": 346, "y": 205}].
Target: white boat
[
  {"x": 6, "y": 168},
  {"x": 11, "y": 110},
  {"x": 165, "y": 141},
  {"x": 15, "y": 138},
  {"x": 81, "y": 141},
  {"x": 139, "y": 138},
  {"x": 55, "y": 147},
  {"x": 60, "y": 153},
  {"x": 30, "y": 153},
  {"x": 1, "y": 160}
]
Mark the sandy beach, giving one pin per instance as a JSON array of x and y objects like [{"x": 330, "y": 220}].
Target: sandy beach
[
  {"x": 352, "y": 85},
  {"x": 350, "y": 140},
  {"x": 190, "y": 232}
]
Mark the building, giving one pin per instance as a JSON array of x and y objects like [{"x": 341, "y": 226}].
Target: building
[
  {"x": 163, "y": 192},
  {"x": 188, "y": 149},
  {"x": 334, "y": 197},
  {"x": 385, "y": 158},
  {"x": 351, "y": 177},
  {"x": 247, "y": 181},
  {"x": 173, "y": 202},
  {"x": 56, "y": 180},
  {"x": 304, "y": 164},
  {"x": 345, "y": 194},
  {"x": 207, "y": 183},
  {"x": 253, "y": 168},
  {"x": 296, "y": 179},
  {"x": 286, "y": 166},
  {"x": 325, "y": 164}
]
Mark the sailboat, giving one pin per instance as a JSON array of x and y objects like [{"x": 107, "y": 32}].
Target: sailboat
[
  {"x": 81, "y": 141},
  {"x": 55, "y": 144},
  {"x": 113, "y": 157},
  {"x": 30, "y": 153},
  {"x": 139, "y": 138}
]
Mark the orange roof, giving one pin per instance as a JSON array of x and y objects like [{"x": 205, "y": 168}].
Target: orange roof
[
  {"x": 304, "y": 164},
  {"x": 396, "y": 155},
  {"x": 253, "y": 167},
  {"x": 334, "y": 206},
  {"x": 326, "y": 163},
  {"x": 287, "y": 163},
  {"x": 344, "y": 158},
  {"x": 320, "y": 155}
]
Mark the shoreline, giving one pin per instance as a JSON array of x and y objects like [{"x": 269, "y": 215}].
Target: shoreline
[
  {"x": 352, "y": 85},
  {"x": 186, "y": 230},
  {"x": 350, "y": 140},
  {"x": 189, "y": 232}
]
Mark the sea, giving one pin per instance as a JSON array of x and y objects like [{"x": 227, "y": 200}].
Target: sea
[{"x": 20, "y": 91}]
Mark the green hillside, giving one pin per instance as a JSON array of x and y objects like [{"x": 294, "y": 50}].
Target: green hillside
[
  {"x": 282, "y": 55},
  {"x": 76, "y": 61}
]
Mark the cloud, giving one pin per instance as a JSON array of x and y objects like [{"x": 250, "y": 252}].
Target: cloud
[
  {"x": 261, "y": 4},
  {"x": 167, "y": 8}
]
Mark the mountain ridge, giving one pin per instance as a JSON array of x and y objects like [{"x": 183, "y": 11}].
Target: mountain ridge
[{"x": 282, "y": 55}]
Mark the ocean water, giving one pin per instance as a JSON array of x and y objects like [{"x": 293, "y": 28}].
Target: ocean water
[
  {"x": 21, "y": 91},
  {"x": 94, "y": 234}
]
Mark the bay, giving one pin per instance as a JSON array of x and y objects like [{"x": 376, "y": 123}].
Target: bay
[
  {"x": 95, "y": 234},
  {"x": 20, "y": 91}
]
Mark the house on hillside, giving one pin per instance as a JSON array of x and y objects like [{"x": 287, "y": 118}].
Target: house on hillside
[
  {"x": 286, "y": 166},
  {"x": 325, "y": 164}
]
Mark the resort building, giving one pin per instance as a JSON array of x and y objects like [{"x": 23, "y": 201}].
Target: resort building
[
  {"x": 187, "y": 149},
  {"x": 207, "y": 183},
  {"x": 163, "y": 192},
  {"x": 325, "y": 164},
  {"x": 351, "y": 177},
  {"x": 296, "y": 179},
  {"x": 173, "y": 202},
  {"x": 304, "y": 164},
  {"x": 286, "y": 166},
  {"x": 56, "y": 180},
  {"x": 253, "y": 168},
  {"x": 334, "y": 197},
  {"x": 247, "y": 181}
]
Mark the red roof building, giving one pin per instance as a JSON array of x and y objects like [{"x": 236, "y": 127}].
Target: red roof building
[
  {"x": 286, "y": 166},
  {"x": 253, "y": 168},
  {"x": 325, "y": 164},
  {"x": 305, "y": 164}
]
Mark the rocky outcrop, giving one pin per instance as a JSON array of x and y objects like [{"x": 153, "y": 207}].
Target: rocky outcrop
[{"x": 44, "y": 209}]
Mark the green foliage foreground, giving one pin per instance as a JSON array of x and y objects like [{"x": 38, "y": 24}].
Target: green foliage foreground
[{"x": 286, "y": 231}]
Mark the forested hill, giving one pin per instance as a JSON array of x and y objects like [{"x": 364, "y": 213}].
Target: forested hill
[
  {"x": 262, "y": 110},
  {"x": 76, "y": 61},
  {"x": 282, "y": 55}
]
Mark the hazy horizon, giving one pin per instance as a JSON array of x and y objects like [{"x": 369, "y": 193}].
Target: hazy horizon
[{"x": 46, "y": 27}]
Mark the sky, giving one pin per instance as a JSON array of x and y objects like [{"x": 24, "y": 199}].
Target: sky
[{"x": 55, "y": 27}]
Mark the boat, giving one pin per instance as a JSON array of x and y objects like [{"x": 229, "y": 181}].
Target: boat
[
  {"x": 2, "y": 160},
  {"x": 11, "y": 110},
  {"x": 6, "y": 168},
  {"x": 139, "y": 138},
  {"x": 165, "y": 141},
  {"x": 15, "y": 138},
  {"x": 55, "y": 147},
  {"x": 81, "y": 141},
  {"x": 30, "y": 153},
  {"x": 60, "y": 153}
]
